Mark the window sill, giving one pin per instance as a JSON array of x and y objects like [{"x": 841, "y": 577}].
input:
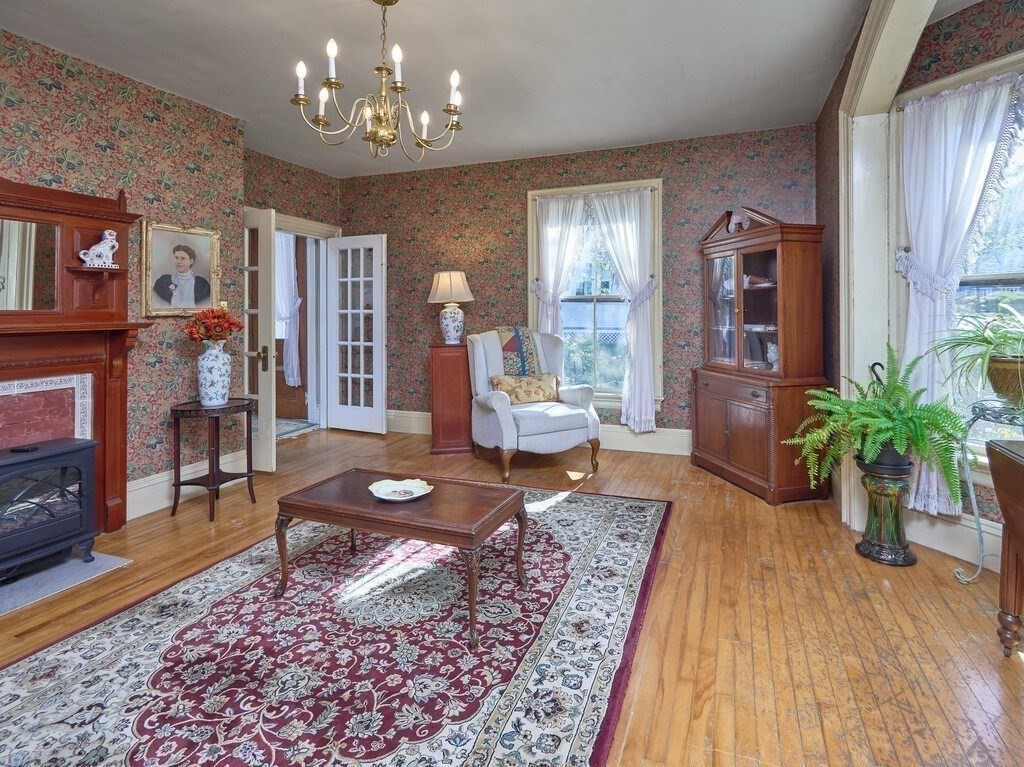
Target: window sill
[{"x": 613, "y": 401}]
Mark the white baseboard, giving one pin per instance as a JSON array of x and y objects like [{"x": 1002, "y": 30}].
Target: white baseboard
[
  {"x": 956, "y": 536},
  {"x": 156, "y": 492},
  {"x": 408, "y": 422},
  {"x": 613, "y": 436},
  {"x": 662, "y": 441}
]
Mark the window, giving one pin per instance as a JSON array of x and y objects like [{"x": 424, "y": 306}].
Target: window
[
  {"x": 593, "y": 304},
  {"x": 995, "y": 276},
  {"x": 594, "y": 320}
]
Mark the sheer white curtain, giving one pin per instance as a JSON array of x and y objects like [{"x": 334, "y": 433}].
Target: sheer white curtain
[
  {"x": 954, "y": 147},
  {"x": 287, "y": 303},
  {"x": 625, "y": 221},
  {"x": 560, "y": 224},
  {"x": 17, "y": 264}
]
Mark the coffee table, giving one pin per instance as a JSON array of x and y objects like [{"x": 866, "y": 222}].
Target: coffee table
[{"x": 456, "y": 513}]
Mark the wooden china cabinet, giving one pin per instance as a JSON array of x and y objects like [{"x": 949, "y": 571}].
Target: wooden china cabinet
[{"x": 763, "y": 350}]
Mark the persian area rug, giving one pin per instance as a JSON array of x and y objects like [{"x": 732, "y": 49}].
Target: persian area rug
[{"x": 364, "y": 661}]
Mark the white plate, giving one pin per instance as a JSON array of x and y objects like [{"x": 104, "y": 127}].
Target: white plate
[{"x": 398, "y": 490}]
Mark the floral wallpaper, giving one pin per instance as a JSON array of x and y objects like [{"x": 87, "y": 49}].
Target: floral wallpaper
[
  {"x": 68, "y": 124},
  {"x": 979, "y": 33},
  {"x": 473, "y": 218},
  {"x": 826, "y": 193},
  {"x": 290, "y": 189}
]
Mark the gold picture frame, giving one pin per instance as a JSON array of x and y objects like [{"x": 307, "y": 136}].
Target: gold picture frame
[{"x": 180, "y": 270}]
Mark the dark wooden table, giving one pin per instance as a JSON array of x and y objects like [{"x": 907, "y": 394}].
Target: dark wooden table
[
  {"x": 214, "y": 477},
  {"x": 456, "y": 513},
  {"x": 1006, "y": 461}
]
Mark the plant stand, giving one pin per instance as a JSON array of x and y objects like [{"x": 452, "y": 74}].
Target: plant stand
[
  {"x": 885, "y": 540},
  {"x": 991, "y": 411}
]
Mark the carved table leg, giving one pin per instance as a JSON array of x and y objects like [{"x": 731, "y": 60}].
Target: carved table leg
[
  {"x": 521, "y": 519},
  {"x": 472, "y": 558},
  {"x": 177, "y": 465},
  {"x": 281, "y": 531},
  {"x": 1011, "y": 593},
  {"x": 506, "y": 460},
  {"x": 213, "y": 451},
  {"x": 595, "y": 445},
  {"x": 248, "y": 453},
  {"x": 1009, "y": 632}
]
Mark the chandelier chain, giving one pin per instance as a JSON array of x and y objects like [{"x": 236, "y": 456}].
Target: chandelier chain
[{"x": 384, "y": 35}]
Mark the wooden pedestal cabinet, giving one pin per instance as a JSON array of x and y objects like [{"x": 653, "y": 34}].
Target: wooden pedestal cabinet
[
  {"x": 450, "y": 399},
  {"x": 763, "y": 350}
]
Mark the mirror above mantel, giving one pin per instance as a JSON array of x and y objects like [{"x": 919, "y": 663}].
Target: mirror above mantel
[{"x": 28, "y": 265}]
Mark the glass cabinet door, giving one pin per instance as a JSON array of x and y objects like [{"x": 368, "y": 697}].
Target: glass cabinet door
[
  {"x": 760, "y": 284},
  {"x": 721, "y": 330}
]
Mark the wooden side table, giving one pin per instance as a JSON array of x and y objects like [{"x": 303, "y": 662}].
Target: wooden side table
[
  {"x": 214, "y": 477},
  {"x": 450, "y": 399}
]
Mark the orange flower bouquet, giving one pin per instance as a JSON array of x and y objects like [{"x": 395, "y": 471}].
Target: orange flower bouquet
[{"x": 212, "y": 325}]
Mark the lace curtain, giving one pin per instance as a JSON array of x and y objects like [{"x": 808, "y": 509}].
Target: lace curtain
[
  {"x": 954, "y": 149},
  {"x": 558, "y": 221},
  {"x": 287, "y": 303}
]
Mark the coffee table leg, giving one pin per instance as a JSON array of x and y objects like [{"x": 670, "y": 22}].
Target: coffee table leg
[
  {"x": 521, "y": 519},
  {"x": 472, "y": 557},
  {"x": 281, "y": 530},
  {"x": 352, "y": 538}
]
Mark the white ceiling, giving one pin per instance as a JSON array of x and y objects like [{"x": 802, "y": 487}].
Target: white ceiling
[{"x": 539, "y": 77}]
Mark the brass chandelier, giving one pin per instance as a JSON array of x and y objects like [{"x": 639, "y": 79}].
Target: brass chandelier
[{"x": 379, "y": 114}]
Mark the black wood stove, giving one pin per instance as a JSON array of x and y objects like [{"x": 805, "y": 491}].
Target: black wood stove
[{"x": 46, "y": 503}]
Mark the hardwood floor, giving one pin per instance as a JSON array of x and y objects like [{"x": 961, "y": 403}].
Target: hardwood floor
[{"x": 767, "y": 641}]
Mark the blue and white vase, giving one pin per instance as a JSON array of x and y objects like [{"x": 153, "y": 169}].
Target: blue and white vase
[
  {"x": 214, "y": 366},
  {"x": 452, "y": 323}
]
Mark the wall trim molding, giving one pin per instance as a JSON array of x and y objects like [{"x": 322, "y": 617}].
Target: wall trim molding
[
  {"x": 613, "y": 436},
  {"x": 156, "y": 492},
  {"x": 956, "y": 536}
]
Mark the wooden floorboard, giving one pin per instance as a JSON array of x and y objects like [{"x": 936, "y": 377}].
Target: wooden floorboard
[{"x": 768, "y": 641}]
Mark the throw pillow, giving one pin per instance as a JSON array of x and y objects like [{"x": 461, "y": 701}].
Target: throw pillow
[{"x": 523, "y": 389}]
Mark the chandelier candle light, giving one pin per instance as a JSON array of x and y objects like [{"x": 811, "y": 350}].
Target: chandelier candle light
[
  {"x": 378, "y": 114},
  {"x": 451, "y": 289}
]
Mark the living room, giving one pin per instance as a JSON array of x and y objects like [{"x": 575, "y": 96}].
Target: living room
[{"x": 745, "y": 631}]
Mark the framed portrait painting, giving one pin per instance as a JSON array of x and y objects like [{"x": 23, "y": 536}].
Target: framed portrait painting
[{"x": 180, "y": 269}]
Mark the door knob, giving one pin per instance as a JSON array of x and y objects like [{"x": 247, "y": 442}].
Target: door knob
[{"x": 263, "y": 355}]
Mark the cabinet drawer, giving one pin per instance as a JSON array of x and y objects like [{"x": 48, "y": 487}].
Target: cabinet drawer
[{"x": 736, "y": 390}]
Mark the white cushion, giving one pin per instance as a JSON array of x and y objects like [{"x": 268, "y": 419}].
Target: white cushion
[{"x": 548, "y": 417}]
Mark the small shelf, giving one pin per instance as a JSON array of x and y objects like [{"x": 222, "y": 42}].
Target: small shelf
[
  {"x": 765, "y": 286},
  {"x": 96, "y": 271},
  {"x": 755, "y": 327}
]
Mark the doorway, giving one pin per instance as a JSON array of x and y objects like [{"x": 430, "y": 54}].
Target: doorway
[{"x": 283, "y": 303}]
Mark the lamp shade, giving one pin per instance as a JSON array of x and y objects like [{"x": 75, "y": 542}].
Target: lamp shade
[{"x": 450, "y": 287}]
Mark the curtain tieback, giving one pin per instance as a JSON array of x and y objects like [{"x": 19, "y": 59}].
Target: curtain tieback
[
  {"x": 544, "y": 295},
  {"x": 642, "y": 296},
  {"x": 922, "y": 279}
]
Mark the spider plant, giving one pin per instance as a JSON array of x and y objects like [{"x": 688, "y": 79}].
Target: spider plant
[
  {"x": 886, "y": 413},
  {"x": 988, "y": 347}
]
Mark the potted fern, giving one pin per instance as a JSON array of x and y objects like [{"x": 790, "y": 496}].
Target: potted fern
[
  {"x": 885, "y": 425},
  {"x": 989, "y": 347}
]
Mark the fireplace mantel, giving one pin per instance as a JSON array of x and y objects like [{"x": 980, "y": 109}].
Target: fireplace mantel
[{"x": 86, "y": 330}]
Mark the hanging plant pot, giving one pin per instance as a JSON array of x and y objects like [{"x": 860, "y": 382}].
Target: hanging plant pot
[
  {"x": 1006, "y": 376},
  {"x": 887, "y": 480}
]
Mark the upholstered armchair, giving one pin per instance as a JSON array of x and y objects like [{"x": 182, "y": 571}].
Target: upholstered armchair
[{"x": 535, "y": 427}]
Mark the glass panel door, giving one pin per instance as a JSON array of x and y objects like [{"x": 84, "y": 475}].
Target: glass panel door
[
  {"x": 721, "y": 331},
  {"x": 356, "y": 314},
  {"x": 260, "y": 371},
  {"x": 760, "y": 283}
]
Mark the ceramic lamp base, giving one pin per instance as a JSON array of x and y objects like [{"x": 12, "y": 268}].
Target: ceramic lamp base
[{"x": 452, "y": 323}]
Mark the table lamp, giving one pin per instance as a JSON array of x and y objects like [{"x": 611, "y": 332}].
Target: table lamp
[{"x": 451, "y": 289}]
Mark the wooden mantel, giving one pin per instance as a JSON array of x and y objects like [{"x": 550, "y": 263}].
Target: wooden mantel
[{"x": 84, "y": 328}]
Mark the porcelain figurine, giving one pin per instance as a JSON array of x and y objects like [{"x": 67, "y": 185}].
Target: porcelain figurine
[{"x": 102, "y": 253}]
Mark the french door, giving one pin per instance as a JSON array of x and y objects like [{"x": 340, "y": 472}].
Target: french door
[
  {"x": 356, "y": 315},
  {"x": 260, "y": 365}
]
